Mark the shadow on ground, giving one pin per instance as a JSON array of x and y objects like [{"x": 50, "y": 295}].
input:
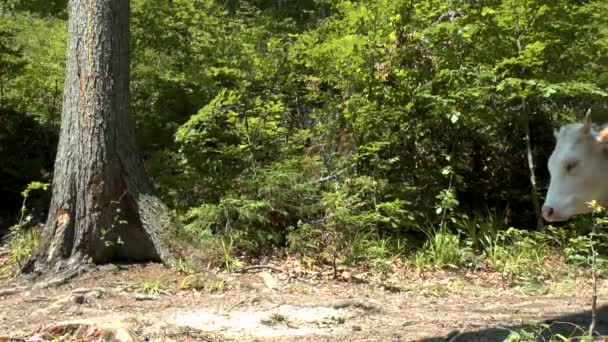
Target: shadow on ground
[{"x": 569, "y": 326}]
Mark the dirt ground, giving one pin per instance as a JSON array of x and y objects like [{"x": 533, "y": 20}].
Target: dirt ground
[{"x": 265, "y": 305}]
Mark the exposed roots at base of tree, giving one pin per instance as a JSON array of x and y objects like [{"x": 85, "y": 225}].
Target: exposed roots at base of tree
[{"x": 61, "y": 278}]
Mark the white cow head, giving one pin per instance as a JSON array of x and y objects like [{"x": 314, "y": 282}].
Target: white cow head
[{"x": 579, "y": 171}]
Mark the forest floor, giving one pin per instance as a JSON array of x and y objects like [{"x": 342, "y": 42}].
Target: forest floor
[{"x": 148, "y": 303}]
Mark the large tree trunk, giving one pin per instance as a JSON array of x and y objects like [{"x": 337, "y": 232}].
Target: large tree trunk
[{"x": 103, "y": 207}]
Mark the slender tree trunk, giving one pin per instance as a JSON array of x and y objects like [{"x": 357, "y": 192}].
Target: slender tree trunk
[
  {"x": 103, "y": 207},
  {"x": 530, "y": 157},
  {"x": 526, "y": 121}
]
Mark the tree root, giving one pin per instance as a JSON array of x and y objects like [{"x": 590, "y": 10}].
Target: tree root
[
  {"x": 12, "y": 291},
  {"x": 367, "y": 306},
  {"x": 63, "y": 278}
]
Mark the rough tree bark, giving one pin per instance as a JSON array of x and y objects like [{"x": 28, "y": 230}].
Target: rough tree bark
[{"x": 101, "y": 191}]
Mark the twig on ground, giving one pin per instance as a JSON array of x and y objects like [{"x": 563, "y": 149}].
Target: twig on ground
[
  {"x": 37, "y": 299},
  {"x": 84, "y": 290},
  {"x": 258, "y": 267}
]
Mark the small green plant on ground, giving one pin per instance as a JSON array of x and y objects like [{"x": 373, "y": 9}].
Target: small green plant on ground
[
  {"x": 479, "y": 230},
  {"x": 225, "y": 250},
  {"x": 374, "y": 252},
  {"x": 274, "y": 319},
  {"x": 442, "y": 249},
  {"x": 203, "y": 281},
  {"x": 152, "y": 286},
  {"x": 185, "y": 267}
]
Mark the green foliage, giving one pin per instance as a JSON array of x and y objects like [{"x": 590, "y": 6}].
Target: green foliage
[
  {"x": 365, "y": 125},
  {"x": 11, "y": 60},
  {"x": 546, "y": 332},
  {"x": 262, "y": 205},
  {"x": 577, "y": 252},
  {"x": 117, "y": 221},
  {"x": 32, "y": 60},
  {"x": 38, "y": 7},
  {"x": 152, "y": 286}
]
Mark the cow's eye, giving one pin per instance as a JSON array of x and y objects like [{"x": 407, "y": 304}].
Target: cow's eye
[{"x": 571, "y": 165}]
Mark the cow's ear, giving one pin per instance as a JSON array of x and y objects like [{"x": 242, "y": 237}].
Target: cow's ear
[
  {"x": 602, "y": 136},
  {"x": 587, "y": 123}
]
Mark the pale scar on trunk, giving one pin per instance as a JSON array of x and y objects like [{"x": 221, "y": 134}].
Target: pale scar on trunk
[
  {"x": 62, "y": 220},
  {"x": 63, "y": 217}
]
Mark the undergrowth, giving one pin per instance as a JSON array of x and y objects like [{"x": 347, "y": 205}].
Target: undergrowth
[
  {"x": 347, "y": 234},
  {"x": 341, "y": 220},
  {"x": 518, "y": 255}
]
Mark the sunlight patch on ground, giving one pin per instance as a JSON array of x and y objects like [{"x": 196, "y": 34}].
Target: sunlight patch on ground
[{"x": 297, "y": 321}]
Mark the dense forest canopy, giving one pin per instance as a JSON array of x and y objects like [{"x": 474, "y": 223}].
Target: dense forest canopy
[{"x": 308, "y": 124}]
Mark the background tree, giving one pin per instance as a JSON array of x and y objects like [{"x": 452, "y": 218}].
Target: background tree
[{"x": 103, "y": 207}]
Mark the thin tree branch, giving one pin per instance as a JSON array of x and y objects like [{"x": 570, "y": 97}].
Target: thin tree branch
[{"x": 593, "y": 275}]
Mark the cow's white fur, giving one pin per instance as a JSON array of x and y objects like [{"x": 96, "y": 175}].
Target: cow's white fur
[{"x": 579, "y": 170}]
